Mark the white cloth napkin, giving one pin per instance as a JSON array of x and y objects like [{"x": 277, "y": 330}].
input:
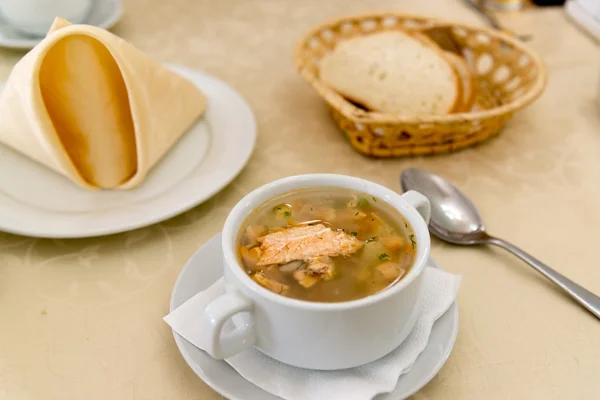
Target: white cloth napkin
[{"x": 439, "y": 290}]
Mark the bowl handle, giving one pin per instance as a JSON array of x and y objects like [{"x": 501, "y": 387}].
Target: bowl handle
[
  {"x": 221, "y": 345},
  {"x": 419, "y": 202}
]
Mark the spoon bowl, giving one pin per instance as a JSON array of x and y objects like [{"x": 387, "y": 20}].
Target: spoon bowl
[{"x": 455, "y": 219}]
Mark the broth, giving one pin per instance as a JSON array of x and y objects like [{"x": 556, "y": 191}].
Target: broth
[{"x": 326, "y": 245}]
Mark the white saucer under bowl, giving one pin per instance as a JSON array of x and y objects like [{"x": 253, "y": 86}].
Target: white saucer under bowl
[
  {"x": 205, "y": 267},
  {"x": 103, "y": 14},
  {"x": 35, "y": 201}
]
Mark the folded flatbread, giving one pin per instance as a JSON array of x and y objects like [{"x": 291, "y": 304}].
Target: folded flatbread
[{"x": 94, "y": 108}]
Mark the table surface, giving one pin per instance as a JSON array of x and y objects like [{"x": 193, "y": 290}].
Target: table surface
[{"x": 82, "y": 319}]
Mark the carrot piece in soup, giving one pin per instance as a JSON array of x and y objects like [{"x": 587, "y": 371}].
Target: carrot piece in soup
[
  {"x": 250, "y": 257},
  {"x": 393, "y": 243},
  {"x": 271, "y": 284},
  {"x": 369, "y": 226},
  {"x": 359, "y": 216}
]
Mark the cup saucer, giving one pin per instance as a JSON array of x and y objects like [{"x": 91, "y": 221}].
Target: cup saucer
[
  {"x": 103, "y": 14},
  {"x": 205, "y": 267}
]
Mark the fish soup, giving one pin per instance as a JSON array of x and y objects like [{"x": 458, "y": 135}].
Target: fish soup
[{"x": 326, "y": 245}]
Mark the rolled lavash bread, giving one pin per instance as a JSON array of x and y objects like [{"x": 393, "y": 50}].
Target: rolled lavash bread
[
  {"x": 392, "y": 72},
  {"x": 99, "y": 140},
  {"x": 92, "y": 107}
]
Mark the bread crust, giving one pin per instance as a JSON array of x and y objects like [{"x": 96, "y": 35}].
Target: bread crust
[{"x": 459, "y": 103}]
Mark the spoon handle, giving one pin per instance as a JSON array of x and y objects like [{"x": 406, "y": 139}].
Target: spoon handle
[{"x": 583, "y": 296}]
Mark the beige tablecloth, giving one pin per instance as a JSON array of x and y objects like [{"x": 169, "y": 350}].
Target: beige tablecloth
[{"x": 81, "y": 319}]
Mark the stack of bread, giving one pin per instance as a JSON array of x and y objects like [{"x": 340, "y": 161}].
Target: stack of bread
[{"x": 402, "y": 73}]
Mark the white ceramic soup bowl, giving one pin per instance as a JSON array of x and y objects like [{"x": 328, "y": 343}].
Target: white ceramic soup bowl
[{"x": 314, "y": 335}]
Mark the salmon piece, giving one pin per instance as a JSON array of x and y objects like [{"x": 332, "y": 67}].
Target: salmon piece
[
  {"x": 304, "y": 243},
  {"x": 305, "y": 279},
  {"x": 318, "y": 268},
  {"x": 268, "y": 283},
  {"x": 321, "y": 266}
]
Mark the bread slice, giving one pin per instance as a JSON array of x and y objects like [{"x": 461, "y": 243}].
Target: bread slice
[
  {"x": 426, "y": 40},
  {"x": 392, "y": 72},
  {"x": 468, "y": 82},
  {"x": 461, "y": 68}
]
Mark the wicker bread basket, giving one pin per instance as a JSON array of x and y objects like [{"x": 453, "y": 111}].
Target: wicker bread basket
[{"x": 508, "y": 76}]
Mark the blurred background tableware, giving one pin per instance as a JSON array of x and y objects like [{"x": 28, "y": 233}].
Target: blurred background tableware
[
  {"x": 551, "y": 2},
  {"x": 585, "y": 14},
  {"x": 502, "y": 5},
  {"x": 101, "y": 13},
  {"x": 455, "y": 219},
  {"x": 482, "y": 8},
  {"x": 34, "y": 17},
  {"x": 509, "y": 76}
]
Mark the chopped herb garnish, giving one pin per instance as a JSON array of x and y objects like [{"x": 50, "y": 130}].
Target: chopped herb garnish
[
  {"x": 372, "y": 219},
  {"x": 356, "y": 213},
  {"x": 371, "y": 239},
  {"x": 362, "y": 203},
  {"x": 353, "y": 233},
  {"x": 287, "y": 214},
  {"x": 412, "y": 240},
  {"x": 405, "y": 225},
  {"x": 374, "y": 199},
  {"x": 383, "y": 256}
]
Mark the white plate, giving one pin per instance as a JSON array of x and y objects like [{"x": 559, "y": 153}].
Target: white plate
[
  {"x": 35, "y": 201},
  {"x": 103, "y": 14},
  {"x": 205, "y": 267}
]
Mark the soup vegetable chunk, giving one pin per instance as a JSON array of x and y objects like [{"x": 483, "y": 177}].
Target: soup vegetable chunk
[{"x": 326, "y": 245}]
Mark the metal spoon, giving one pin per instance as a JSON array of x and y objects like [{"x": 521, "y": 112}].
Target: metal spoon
[{"x": 455, "y": 219}]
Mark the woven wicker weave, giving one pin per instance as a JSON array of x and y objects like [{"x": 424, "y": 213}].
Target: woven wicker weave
[{"x": 509, "y": 77}]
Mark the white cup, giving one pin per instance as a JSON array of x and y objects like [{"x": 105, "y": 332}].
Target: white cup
[
  {"x": 322, "y": 336},
  {"x": 34, "y": 17}
]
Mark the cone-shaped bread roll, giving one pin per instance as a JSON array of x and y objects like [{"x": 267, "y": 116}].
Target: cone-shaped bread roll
[{"x": 94, "y": 108}]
